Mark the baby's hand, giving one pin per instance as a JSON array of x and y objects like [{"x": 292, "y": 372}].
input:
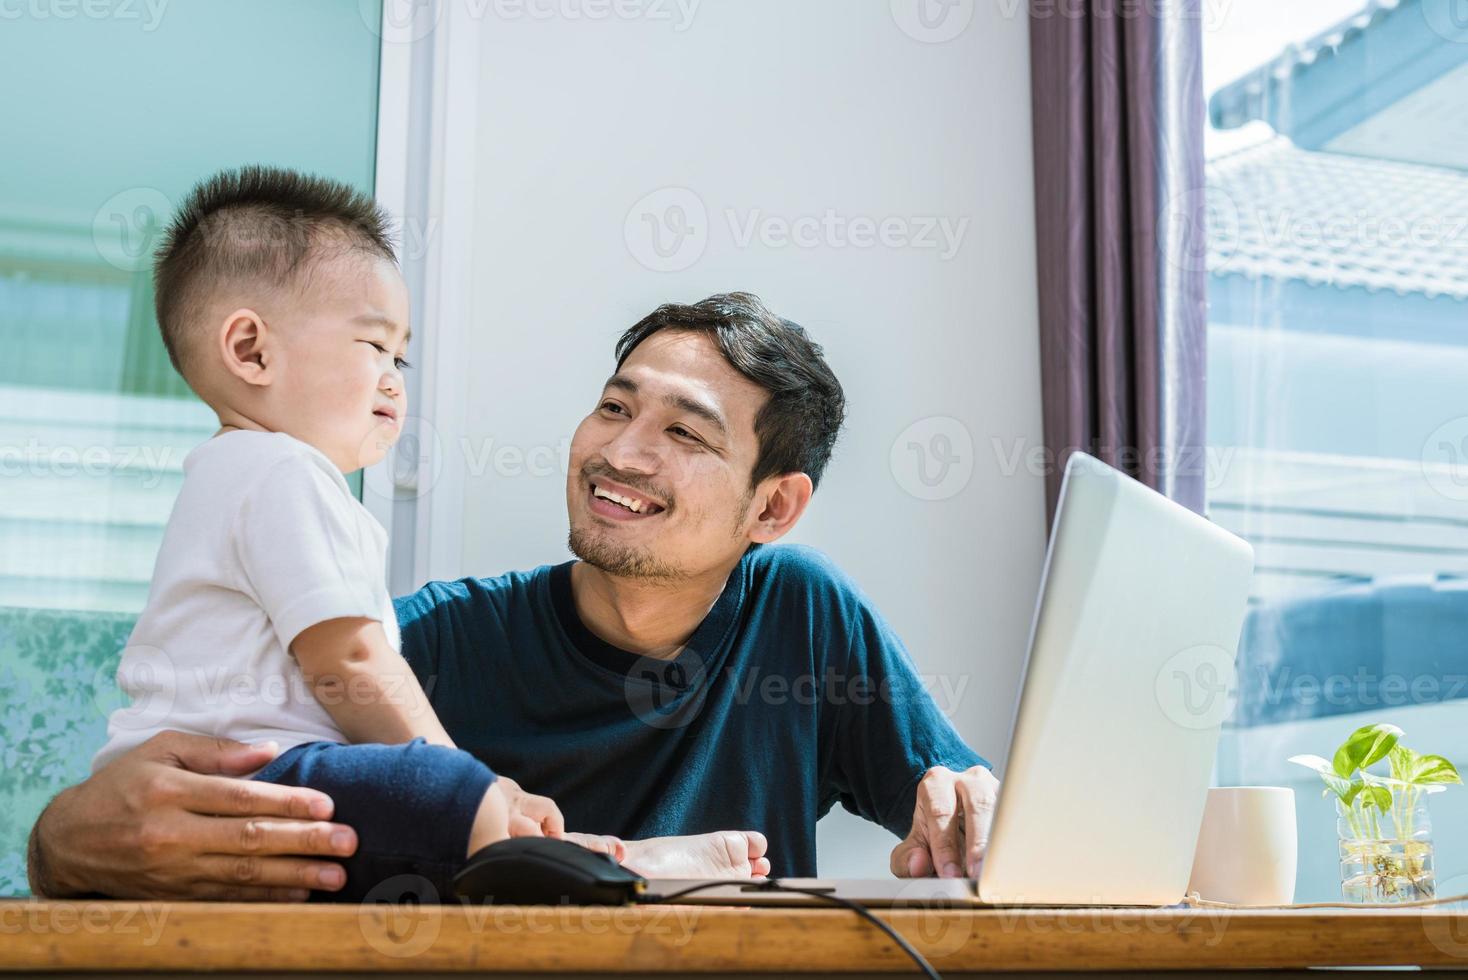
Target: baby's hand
[{"x": 531, "y": 815}]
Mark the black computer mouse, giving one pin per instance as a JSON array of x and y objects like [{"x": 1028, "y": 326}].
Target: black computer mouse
[{"x": 545, "y": 871}]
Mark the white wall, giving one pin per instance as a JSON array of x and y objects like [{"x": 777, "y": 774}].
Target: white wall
[{"x": 784, "y": 109}]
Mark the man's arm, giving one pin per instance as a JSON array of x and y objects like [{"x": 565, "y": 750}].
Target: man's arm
[
  {"x": 900, "y": 763},
  {"x": 170, "y": 820}
]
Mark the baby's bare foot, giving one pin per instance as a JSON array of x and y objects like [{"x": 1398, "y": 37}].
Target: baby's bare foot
[
  {"x": 600, "y": 843},
  {"x": 726, "y": 854}
]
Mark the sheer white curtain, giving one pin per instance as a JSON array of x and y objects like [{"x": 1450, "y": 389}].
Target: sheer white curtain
[{"x": 1338, "y": 388}]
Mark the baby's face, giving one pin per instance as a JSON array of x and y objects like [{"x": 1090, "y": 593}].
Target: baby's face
[{"x": 341, "y": 382}]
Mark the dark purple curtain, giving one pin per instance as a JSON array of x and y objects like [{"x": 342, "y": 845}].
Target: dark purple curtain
[{"x": 1119, "y": 203}]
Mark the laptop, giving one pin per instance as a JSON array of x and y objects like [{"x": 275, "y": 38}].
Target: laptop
[{"x": 1127, "y": 681}]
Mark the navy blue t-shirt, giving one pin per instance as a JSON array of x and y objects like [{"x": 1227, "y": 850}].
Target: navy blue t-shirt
[{"x": 792, "y": 694}]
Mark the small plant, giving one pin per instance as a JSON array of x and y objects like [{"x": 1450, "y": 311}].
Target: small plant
[{"x": 1386, "y": 851}]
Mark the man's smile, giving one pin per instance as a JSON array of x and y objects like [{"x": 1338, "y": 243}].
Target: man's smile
[{"x": 614, "y": 501}]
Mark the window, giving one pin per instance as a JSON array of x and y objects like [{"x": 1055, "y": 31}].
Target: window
[
  {"x": 124, "y": 107},
  {"x": 1338, "y": 387}
]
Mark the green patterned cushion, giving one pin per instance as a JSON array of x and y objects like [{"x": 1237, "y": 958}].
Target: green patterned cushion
[{"x": 57, "y": 686}]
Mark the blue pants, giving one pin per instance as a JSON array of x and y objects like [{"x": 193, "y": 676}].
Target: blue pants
[{"x": 411, "y": 805}]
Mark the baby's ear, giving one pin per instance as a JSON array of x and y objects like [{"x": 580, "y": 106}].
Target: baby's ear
[{"x": 244, "y": 342}]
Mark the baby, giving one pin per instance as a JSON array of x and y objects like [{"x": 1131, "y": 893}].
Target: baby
[{"x": 268, "y": 617}]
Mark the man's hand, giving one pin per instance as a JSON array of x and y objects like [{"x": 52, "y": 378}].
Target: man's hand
[
  {"x": 169, "y": 820},
  {"x": 950, "y": 825}
]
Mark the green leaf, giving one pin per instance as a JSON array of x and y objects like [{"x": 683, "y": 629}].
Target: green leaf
[
  {"x": 1402, "y": 760},
  {"x": 1430, "y": 769},
  {"x": 1345, "y": 789},
  {"x": 1365, "y": 746},
  {"x": 1377, "y": 796}
]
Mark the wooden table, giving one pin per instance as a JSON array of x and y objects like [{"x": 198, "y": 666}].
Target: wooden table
[{"x": 101, "y": 936}]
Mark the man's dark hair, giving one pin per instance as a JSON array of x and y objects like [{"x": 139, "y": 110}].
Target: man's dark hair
[
  {"x": 797, "y": 427},
  {"x": 255, "y": 224}
]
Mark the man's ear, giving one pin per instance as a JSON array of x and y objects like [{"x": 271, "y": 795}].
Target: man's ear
[
  {"x": 786, "y": 498},
  {"x": 244, "y": 341}
]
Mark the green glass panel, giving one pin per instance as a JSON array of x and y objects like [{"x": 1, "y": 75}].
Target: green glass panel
[{"x": 111, "y": 113}]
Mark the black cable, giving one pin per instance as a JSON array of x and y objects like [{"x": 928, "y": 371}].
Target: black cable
[{"x": 775, "y": 885}]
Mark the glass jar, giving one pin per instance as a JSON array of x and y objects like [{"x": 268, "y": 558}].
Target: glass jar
[{"x": 1386, "y": 856}]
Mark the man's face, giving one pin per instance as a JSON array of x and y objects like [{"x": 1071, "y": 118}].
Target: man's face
[{"x": 673, "y": 437}]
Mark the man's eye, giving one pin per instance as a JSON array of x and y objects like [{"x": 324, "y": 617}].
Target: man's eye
[{"x": 610, "y": 407}]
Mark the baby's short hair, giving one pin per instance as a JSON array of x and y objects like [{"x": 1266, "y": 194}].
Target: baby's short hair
[{"x": 256, "y": 224}]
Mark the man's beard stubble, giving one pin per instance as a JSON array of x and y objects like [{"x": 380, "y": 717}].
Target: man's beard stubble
[{"x": 620, "y": 560}]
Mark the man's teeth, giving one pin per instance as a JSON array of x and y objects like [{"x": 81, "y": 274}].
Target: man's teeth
[{"x": 631, "y": 503}]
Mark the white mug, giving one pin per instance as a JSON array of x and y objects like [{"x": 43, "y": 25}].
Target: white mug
[{"x": 1247, "y": 846}]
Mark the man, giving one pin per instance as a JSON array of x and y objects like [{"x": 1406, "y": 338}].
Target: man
[{"x": 634, "y": 686}]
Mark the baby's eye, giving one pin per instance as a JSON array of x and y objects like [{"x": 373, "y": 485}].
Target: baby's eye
[{"x": 400, "y": 363}]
